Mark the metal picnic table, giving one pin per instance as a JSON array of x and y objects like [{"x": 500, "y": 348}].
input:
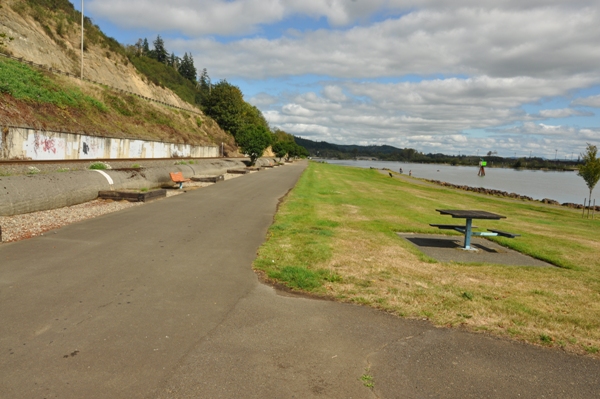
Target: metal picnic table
[{"x": 467, "y": 229}]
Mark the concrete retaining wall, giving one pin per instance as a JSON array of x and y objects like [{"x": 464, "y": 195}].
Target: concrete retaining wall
[
  {"x": 31, "y": 193},
  {"x": 24, "y": 143}
]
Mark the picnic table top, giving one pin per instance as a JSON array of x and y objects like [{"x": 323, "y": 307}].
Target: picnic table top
[{"x": 470, "y": 214}]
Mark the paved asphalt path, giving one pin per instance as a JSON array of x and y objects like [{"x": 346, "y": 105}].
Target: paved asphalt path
[{"x": 160, "y": 301}]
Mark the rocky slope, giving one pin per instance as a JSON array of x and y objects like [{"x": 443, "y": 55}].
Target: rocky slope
[{"x": 32, "y": 42}]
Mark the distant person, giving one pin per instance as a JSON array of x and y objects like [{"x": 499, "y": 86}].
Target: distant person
[
  {"x": 400, "y": 170},
  {"x": 482, "y": 165},
  {"x": 410, "y": 172}
]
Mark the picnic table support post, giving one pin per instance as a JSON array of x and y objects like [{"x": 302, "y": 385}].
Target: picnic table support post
[{"x": 468, "y": 234}]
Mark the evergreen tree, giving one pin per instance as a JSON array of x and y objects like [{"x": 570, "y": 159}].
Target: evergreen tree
[
  {"x": 205, "y": 81},
  {"x": 160, "y": 52},
  {"x": 187, "y": 68},
  {"x": 145, "y": 48},
  {"x": 174, "y": 61},
  {"x": 204, "y": 88}
]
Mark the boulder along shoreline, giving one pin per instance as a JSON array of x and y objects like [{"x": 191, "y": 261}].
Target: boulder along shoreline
[{"x": 500, "y": 193}]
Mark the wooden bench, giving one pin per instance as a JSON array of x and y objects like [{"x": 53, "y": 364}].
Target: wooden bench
[
  {"x": 504, "y": 233},
  {"x": 177, "y": 177}
]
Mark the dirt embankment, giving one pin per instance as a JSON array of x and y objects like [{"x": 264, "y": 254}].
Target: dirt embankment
[
  {"x": 55, "y": 42},
  {"x": 32, "y": 42}
]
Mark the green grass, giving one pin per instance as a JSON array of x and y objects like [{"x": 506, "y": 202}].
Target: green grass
[
  {"x": 335, "y": 235},
  {"x": 163, "y": 75},
  {"x": 98, "y": 166},
  {"x": 25, "y": 83}
]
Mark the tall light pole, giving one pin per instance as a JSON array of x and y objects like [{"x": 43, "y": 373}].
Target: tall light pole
[
  {"x": 82, "y": 39},
  {"x": 555, "y": 155}
]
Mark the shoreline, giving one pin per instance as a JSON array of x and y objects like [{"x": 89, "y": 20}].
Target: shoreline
[{"x": 500, "y": 193}]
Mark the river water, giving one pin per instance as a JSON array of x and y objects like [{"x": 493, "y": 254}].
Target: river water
[{"x": 559, "y": 186}]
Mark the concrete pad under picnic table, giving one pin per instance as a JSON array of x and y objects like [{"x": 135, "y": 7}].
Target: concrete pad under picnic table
[{"x": 450, "y": 249}]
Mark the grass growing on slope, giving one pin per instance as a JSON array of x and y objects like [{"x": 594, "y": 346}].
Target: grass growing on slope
[
  {"x": 45, "y": 101},
  {"x": 25, "y": 83},
  {"x": 335, "y": 235}
]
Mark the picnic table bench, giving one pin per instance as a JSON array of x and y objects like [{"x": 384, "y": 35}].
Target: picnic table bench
[
  {"x": 450, "y": 226},
  {"x": 504, "y": 233},
  {"x": 177, "y": 177},
  {"x": 467, "y": 228}
]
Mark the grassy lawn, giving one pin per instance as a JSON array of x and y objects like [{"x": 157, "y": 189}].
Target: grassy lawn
[{"x": 335, "y": 235}]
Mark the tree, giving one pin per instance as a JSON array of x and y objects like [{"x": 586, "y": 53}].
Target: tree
[
  {"x": 204, "y": 88},
  {"x": 254, "y": 140},
  {"x": 205, "y": 81},
  {"x": 590, "y": 170},
  {"x": 226, "y": 105},
  {"x": 174, "y": 61},
  {"x": 297, "y": 151},
  {"x": 281, "y": 148},
  {"x": 187, "y": 68},
  {"x": 160, "y": 53},
  {"x": 139, "y": 46},
  {"x": 145, "y": 47},
  {"x": 253, "y": 116},
  {"x": 281, "y": 135}
]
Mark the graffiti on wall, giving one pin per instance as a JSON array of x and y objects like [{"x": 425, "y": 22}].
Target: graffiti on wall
[
  {"x": 91, "y": 147},
  {"x": 44, "y": 147},
  {"x": 23, "y": 143}
]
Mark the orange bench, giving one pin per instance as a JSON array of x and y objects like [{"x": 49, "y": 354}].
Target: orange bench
[{"x": 177, "y": 177}]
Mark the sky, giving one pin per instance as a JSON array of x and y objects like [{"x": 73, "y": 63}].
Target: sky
[{"x": 518, "y": 78}]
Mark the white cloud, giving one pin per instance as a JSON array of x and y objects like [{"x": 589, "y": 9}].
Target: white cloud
[
  {"x": 431, "y": 114},
  {"x": 546, "y": 42},
  {"x": 562, "y": 113},
  {"x": 263, "y": 100},
  {"x": 592, "y": 101},
  {"x": 429, "y": 74},
  {"x": 296, "y": 110},
  {"x": 334, "y": 93}
]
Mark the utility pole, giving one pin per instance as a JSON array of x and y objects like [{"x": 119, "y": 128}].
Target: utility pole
[
  {"x": 81, "y": 39},
  {"x": 555, "y": 155}
]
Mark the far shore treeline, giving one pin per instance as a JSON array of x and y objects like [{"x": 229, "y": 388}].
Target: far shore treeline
[{"x": 323, "y": 149}]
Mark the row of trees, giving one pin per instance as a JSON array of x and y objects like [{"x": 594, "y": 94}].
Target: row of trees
[
  {"x": 184, "y": 65},
  {"x": 224, "y": 103},
  {"x": 389, "y": 153}
]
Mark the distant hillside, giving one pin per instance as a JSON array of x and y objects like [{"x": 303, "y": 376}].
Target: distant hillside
[
  {"x": 383, "y": 152},
  {"x": 324, "y": 149}
]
